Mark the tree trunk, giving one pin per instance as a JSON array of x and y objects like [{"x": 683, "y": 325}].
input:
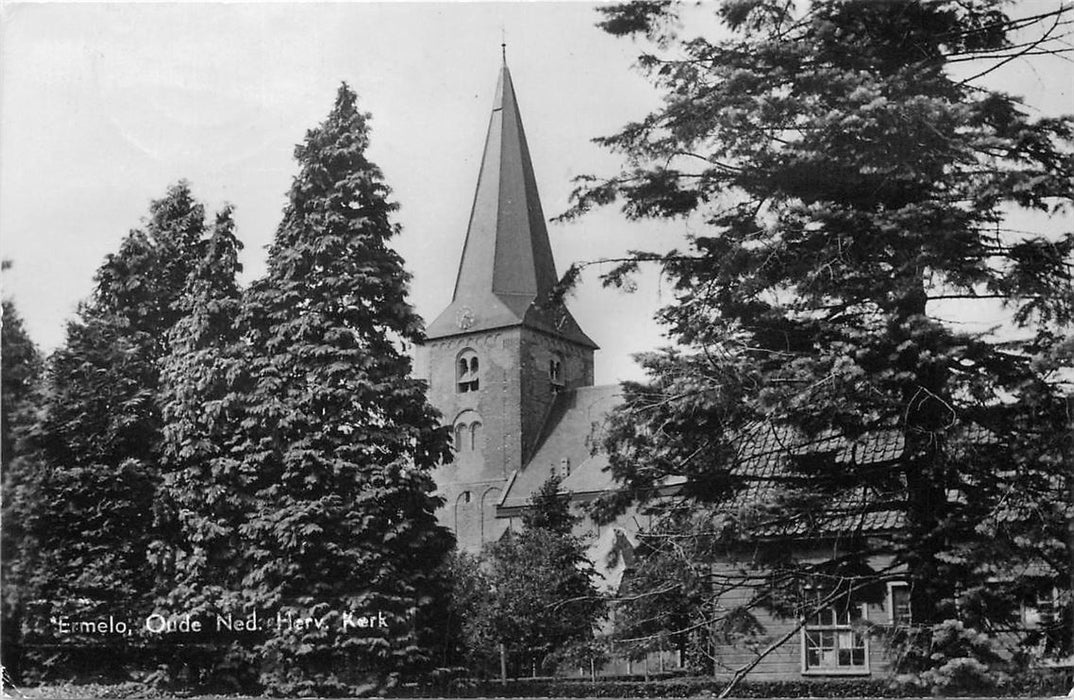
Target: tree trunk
[
  {"x": 925, "y": 419},
  {"x": 1070, "y": 526}
]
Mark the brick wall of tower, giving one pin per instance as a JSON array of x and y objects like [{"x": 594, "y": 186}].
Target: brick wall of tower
[
  {"x": 537, "y": 350},
  {"x": 472, "y": 483},
  {"x": 509, "y": 407}
]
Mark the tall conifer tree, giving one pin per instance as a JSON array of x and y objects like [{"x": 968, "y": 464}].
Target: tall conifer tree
[
  {"x": 90, "y": 520},
  {"x": 201, "y": 491},
  {"x": 202, "y": 498},
  {"x": 852, "y": 175},
  {"x": 21, "y": 366},
  {"x": 545, "y": 606},
  {"x": 338, "y": 439}
]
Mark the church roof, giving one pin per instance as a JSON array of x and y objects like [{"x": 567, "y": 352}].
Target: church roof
[
  {"x": 566, "y": 445},
  {"x": 506, "y": 272}
]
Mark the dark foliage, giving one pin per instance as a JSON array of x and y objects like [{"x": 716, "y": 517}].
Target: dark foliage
[
  {"x": 470, "y": 643},
  {"x": 335, "y": 441},
  {"x": 201, "y": 501},
  {"x": 550, "y": 508},
  {"x": 532, "y": 592},
  {"x": 21, "y": 368},
  {"x": 93, "y": 455},
  {"x": 1041, "y": 683},
  {"x": 21, "y": 365},
  {"x": 849, "y": 190}
]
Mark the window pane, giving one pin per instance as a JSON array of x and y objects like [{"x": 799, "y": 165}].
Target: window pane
[
  {"x": 827, "y": 640},
  {"x": 900, "y": 604},
  {"x": 833, "y": 643}
]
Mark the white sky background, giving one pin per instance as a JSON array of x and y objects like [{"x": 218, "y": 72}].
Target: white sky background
[{"x": 103, "y": 106}]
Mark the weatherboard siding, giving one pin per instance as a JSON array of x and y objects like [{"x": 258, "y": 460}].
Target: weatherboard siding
[{"x": 786, "y": 661}]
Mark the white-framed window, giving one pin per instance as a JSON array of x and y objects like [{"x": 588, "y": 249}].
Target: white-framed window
[
  {"x": 899, "y": 614},
  {"x": 1040, "y": 612},
  {"x": 832, "y": 644}
]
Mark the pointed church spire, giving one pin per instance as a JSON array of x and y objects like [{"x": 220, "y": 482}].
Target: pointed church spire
[
  {"x": 507, "y": 250},
  {"x": 507, "y": 270}
]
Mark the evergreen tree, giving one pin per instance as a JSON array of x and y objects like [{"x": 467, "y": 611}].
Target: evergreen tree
[
  {"x": 198, "y": 480},
  {"x": 21, "y": 367},
  {"x": 202, "y": 499},
  {"x": 337, "y": 440},
  {"x": 89, "y": 517},
  {"x": 544, "y": 603},
  {"x": 848, "y": 177},
  {"x": 550, "y": 508},
  {"x": 470, "y": 641}
]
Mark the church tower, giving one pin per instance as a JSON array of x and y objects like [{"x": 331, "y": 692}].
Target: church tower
[{"x": 498, "y": 355}]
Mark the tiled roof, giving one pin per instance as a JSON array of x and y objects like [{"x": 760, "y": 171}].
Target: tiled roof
[
  {"x": 573, "y": 429},
  {"x": 763, "y": 464}
]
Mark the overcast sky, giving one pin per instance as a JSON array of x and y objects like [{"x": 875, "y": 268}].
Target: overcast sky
[{"x": 103, "y": 106}]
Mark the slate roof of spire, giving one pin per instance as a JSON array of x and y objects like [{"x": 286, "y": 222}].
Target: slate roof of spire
[{"x": 507, "y": 270}]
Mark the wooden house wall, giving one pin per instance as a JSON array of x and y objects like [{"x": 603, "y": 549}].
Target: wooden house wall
[{"x": 787, "y": 661}]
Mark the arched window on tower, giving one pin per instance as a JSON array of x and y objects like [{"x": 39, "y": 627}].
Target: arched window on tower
[
  {"x": 466, "y": 433},
  {"x": 467, "y": 521},
  {"x": 475, "y": 436},
  {"x": 466, "y": 372}
]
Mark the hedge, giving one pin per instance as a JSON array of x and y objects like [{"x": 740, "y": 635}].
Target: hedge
[{"x": 1040, "y": 683}]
